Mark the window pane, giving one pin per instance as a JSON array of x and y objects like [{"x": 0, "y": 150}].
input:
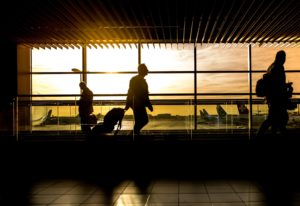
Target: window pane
[
  {"x": 55, "y": 84},
  {"x": 157, "y": 83},
  {"x": 112, "y": 59},
  {"x": 109, "y": 83},
  {"x": 262, "y": 57},
  {"x": 218, "y": 58},
  {"x": 295, "y": 78},
  {"x": 56, "y": 60},
  {"x": 222, "y": 83},
  {"x": 171, "y": 117},
  {"x": 170, "y": 83},
  {"x": 169, "y": 57},
  {"x": 204, "y": 97},
  {"x": 55, "y": 118}
]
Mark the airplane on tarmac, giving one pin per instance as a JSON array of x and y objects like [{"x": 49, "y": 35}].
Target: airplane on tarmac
[
  {"x": 42, "y": 118},
  {"x": 41, "y": 121},
  {"x": 241, "y": 119},
  {"x": 222, "y": 117},
  {"x": 205, "y": 117},
  {"x": 58, "y": 120}
]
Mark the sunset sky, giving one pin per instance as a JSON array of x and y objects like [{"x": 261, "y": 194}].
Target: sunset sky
[{"x": 157, "y": 58}]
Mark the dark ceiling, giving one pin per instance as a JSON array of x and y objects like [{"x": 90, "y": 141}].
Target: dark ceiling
[{"x": 99, "y": 22}]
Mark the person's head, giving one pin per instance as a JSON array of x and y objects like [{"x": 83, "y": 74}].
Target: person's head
[
  {"x": 82, "y": 85},
  {"x": 142, "y": 70},
  {"x": 280, "y": 57}
]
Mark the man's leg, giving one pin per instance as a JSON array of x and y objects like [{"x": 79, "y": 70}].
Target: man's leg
[
  {"x": 85, "y": 127},
  {"x": 284, "y": 121},
  {"x": 141, "y": 119},
  {"x": 263, "y": 128}
]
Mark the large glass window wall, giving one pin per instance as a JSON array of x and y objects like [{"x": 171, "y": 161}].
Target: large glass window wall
[{"x": 194, "y": 88}]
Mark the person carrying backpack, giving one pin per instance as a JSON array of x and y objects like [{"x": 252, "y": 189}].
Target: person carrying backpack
[{"x": 277, "y": 97}]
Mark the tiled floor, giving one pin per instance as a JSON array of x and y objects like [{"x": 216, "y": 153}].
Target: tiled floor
[
  {"x": 167, "y": 173},
  {"x": 152, "y": 193}
]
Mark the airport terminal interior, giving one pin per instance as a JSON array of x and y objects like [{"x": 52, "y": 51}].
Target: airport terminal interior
[{"x": 200, "y": 146}]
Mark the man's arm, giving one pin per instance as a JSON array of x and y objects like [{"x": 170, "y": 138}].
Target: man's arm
[
  {"x": 129, "y": 97},
  {"x": 149, "y": 104},
  {"x": 150, "y": 107}
]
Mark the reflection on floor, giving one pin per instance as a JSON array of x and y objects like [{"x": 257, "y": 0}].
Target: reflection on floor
[
  {"x": 154, "y": 192},
  {"x": 157, "y": 192}
]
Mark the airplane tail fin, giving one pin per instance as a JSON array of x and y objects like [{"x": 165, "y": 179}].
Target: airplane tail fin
[
  {"x": 221, "y": 112},
  {"x": 46, "y": 117},
  {"x": 203, "y": 114}
]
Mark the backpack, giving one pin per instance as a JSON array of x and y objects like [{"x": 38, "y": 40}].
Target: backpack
[
  {"x": 111, "y": 119},
  {"x": 262, "y": 86}
]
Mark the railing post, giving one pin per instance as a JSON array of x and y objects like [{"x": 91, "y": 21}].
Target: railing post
[
  {"x": 195, "y": 87},
  {"x": 16, "y": 119}
]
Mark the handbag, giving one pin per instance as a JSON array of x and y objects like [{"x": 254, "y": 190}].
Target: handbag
[{"x": 92, "y": 119}]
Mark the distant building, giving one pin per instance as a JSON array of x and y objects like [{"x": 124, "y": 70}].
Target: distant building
[{"x": 164, "y": 116}]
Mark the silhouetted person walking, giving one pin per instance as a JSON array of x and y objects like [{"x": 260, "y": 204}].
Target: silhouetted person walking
[
  {"x": 138, "y": 99},
  {"x": 85, "y": 107},
  {"x": 277, "y": 97}
]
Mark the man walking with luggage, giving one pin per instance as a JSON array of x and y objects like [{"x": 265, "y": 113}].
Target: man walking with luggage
[{"x": 138, "y": 99}]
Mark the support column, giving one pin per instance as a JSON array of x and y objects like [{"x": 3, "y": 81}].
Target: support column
[
  {"x": 84, "y": 69},
  {"x": 250, "y": 90},
  {"x": 23, "y": 110},
  {"x": 139, "y": 53}
]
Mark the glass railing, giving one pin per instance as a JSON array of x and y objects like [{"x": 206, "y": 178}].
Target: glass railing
[{"x": 174, "y": 116}]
